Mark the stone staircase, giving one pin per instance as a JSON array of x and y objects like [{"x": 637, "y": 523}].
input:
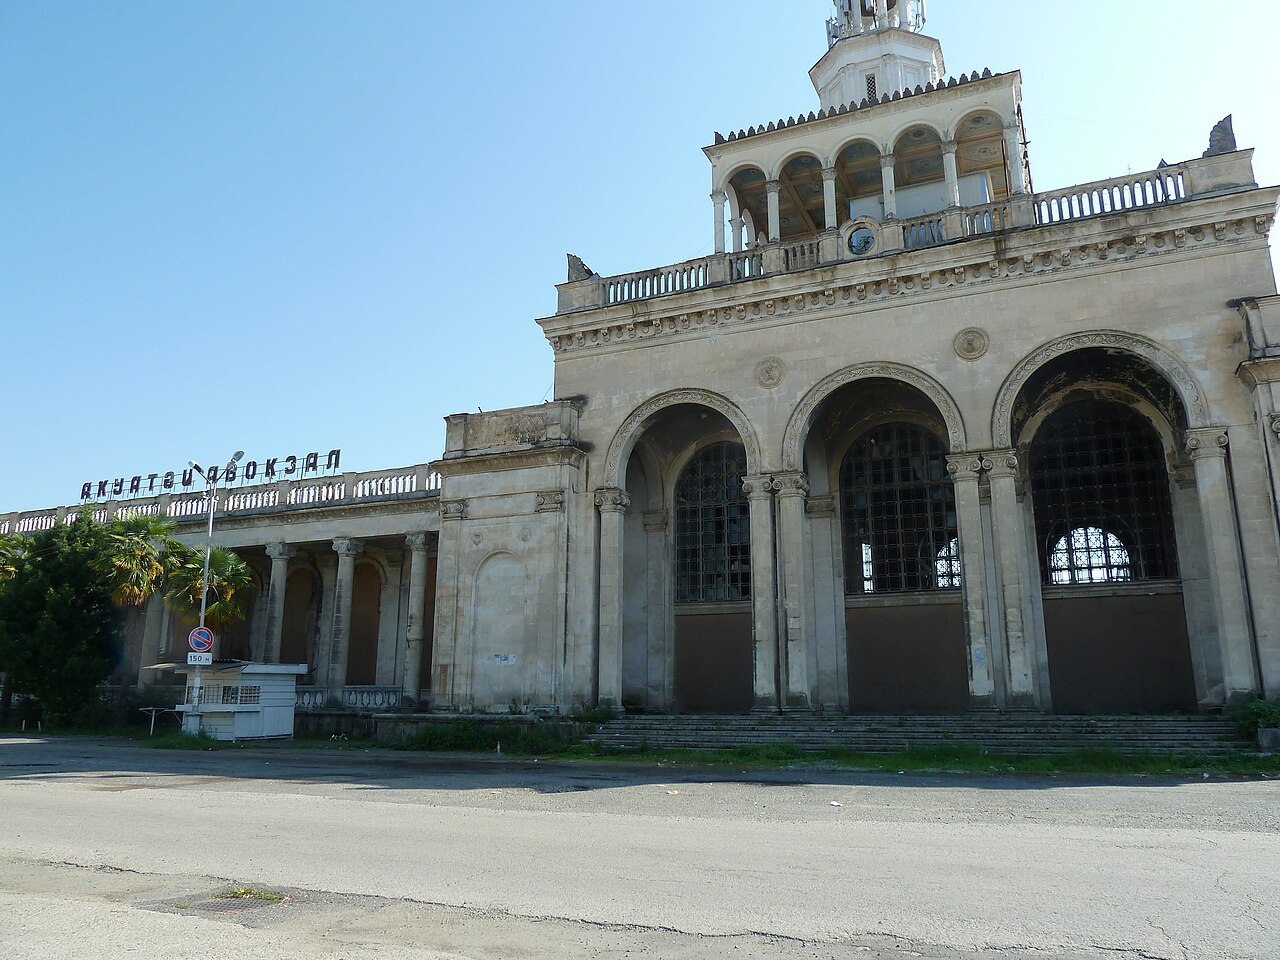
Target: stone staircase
[{"x": 1021, "y": 733}]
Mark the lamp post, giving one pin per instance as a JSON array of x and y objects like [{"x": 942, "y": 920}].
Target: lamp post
[{"x": 211, "y": 479}]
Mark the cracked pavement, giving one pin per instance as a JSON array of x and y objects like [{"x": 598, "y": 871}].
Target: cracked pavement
[{"x": 109, "y": 850}]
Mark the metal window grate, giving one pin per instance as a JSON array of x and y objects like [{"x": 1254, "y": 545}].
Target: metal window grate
[
  {"x": 713, "y": 528},
  {"x": 899, "y": 514},
  {"x": 872, "y": 95},
  {"x": 1101, "y": 493}
]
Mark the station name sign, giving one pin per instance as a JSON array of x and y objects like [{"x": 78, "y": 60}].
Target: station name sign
[{"x": 241, "y": 474}]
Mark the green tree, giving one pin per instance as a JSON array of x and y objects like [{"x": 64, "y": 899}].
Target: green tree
[
  {"x": 59, "y": 629},
  {"x": 230, "y": 583},
  {"x": 141, "y": 555},
  {"x": 12, "y": 550}
]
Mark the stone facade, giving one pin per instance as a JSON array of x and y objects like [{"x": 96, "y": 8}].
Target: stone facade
[{"x": 914, "y": 438}]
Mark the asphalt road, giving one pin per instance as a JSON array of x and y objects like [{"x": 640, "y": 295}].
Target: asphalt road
[{"x": 111, "y": 850}]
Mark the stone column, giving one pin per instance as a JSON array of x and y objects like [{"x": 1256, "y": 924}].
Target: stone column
[
  {"x": 1208, "y": 450},
  {"x": 450, "y": 602},
  {"x": 152, "y": 638},
  {"x": 965, "y": 471},
  {"x": 280, "y": 554},
  {"x": 882, "y": 14},
  {"x": 830, "y": 213},
  {"x": 612, "y": 504},
  {"x": 775, "y": 218},
  {"x": 764, "y": 604},
  {"x": 890, "y": 190},
  {"x": 736, "y": 225},
  {"x": 416, "y": 627},
  {"x": 660, "y": 637},
  {"x": 719, "y": 199},
  {"x": 1013, "y": 148},
  {"x": 347, "y": 551},
  {"x": 799, "y": 660},
  {"x": 952, "y": 172},
  {"x": 1010, "y": 542}
]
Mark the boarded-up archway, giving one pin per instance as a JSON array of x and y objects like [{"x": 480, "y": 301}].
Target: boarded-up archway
[
  {"x": 499, "y": 633},
  {"x": 366, "y": 606}
]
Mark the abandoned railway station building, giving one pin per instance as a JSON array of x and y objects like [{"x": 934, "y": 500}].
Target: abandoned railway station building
[{"x": 915, "y": 438}]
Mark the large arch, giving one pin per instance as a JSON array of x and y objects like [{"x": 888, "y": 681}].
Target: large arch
[
  {"x": 634, "y": 426},
  {"x": 802, "y": 417},
  {"x": 1164, "y": 361}
]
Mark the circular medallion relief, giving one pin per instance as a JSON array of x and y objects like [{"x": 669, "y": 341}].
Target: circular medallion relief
[
  {"x": 526, "y": 535},
  {"x": 770, "y": 371},
  {"x": 972, "y": 344}
]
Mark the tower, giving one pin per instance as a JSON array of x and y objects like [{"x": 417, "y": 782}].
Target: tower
[{"x": 876, "y": 47}]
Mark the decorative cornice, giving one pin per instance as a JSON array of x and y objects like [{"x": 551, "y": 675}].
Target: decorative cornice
[
  {"x": 903, "y": 282},
  {"x": 1207, "y": 442},
  {"x": 550, "y": 501}
]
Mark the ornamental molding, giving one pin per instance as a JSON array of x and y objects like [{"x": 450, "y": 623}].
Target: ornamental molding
[
  {"x": 770, "y": 372},
  {"x": 905, "y": 284},
  {"x": 824, "y": 506},
  {"x": 798, "y": 428},
  {"x": 550, "y": 501},
  {"x": 1165, "y": 362},
  {"x": 624, "y": 440},
  {"x": 453, "y": 509},
  {"x": 972, "y": 344}
]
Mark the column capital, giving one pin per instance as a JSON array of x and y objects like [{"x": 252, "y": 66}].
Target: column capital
[
  {"x": 719, "y": 197},
  {"x": 965, "y": 466},
  {"x": 549, "y": 501},
  {"x": 948, "y": 146},
  {"x": 657, "y": 520},
  {"x": 612, "y": 500},
  {"x": 453, "y": 509},
  {"x": 346, "y": 547},
  {"x": 1013, "y": 126},
  {"x": 824, "y": 506},
  {"x": 887, "y": 161},
  {"x": 773, "y": 186},
  {"x": 417, "y": 542},
  {"x": 281, "y": 551},
  {"x": 1207, "y": 442},
  {"x": 1275, "y": 425},
  {"x": 759, "y": 487},
  {"x": 828, "y": 174},
  {"x": 1001, "y": 464},
  {"x": 794, "y": 484}
]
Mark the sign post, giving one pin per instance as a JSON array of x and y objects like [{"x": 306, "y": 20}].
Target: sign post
[{"x": 201, "y": 642}]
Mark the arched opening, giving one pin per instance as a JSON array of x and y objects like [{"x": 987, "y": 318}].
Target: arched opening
[
  {"x": 981, "y": 162},
  {"x": 300, "y": 631},
  {"x": 687, "y": 614},
  {"x": 235, "y": 641},
  {"x": 1115, "y": 623},
  {"x": 859, "y": 183},
  {"x": 801, "y": 204},
  {"x": 366, "y": 618},
  {"x": 500, "y": 634},
  {"x": 877, "y": 451},
  {"x": 919, "y": 175},
  {"x": 748, "y": 186}
]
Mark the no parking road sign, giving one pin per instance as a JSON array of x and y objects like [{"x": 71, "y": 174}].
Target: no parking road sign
[{"x": 201, "y": 639}]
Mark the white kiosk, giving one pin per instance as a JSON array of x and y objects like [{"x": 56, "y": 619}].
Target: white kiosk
[{"x": 241, "y": 701}]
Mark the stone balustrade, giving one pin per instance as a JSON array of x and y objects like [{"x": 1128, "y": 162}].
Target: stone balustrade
[
  {"x": 1167, "y": 185},
  {"x": 347, "y": 490}
]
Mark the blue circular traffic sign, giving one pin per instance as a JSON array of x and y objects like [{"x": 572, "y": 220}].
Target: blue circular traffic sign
[{"x": 201, "y": 639}]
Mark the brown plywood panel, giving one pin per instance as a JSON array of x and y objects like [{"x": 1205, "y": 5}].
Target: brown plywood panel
[
  {"x": 366, "y": 604},
  {"x": 1119, "y": 655},
  {"x": 714, "y": 663},
  {"x": 301, "y": 614},
  {"x": 907, "y": 659}
]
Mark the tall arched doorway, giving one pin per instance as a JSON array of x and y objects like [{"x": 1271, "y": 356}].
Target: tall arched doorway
[
  {"x": 366, "y": 619},
  {"x": 300, "y": 630}
]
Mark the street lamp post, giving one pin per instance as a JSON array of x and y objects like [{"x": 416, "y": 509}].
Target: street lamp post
[{"x": 211, "y": 480}]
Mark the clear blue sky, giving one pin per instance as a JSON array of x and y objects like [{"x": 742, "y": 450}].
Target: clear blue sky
[{"x": 290, "y": 226}]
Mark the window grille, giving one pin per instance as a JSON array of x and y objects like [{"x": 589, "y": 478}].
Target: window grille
[
  {"x": 1101, "y": 493},
  {"x": 898, "y": 513},
  {"x": 712, "y": 528},
  {"x": 871, "y": 88}
]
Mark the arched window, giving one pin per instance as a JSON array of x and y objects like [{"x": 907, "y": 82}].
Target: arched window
[
  {"x": 1089, "y": 555},
  {"x": 899, "y": 515},
  {"x": 1101, "y": 492},
  {"x": 713, "y": 529}
]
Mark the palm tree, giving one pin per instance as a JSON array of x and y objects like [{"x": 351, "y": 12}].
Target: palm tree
[
  {"x": 230, "y": 583},
  {"x": 142, "y": 555},
  {"x": 12, "y": 550}
]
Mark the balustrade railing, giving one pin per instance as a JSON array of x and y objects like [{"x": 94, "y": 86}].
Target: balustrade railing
[
  {"x": 371, "y": 698},
  {"x": 310, "y": 698},
  {"x": 690, "y": 275},
  {"x": 804, "y": 255},
  {"x": 922, "y": 232},
  {"x": 992, "y": 218},
  {"x": 325, "y": 491},
  {"x": 746, "y": 265},
  {"x": 1153, "y": 189}
]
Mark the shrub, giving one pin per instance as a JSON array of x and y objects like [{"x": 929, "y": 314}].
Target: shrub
[{"x": 1257, "y": 715}]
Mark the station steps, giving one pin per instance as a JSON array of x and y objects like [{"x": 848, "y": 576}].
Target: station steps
[{"x": 1022, "y": 733}]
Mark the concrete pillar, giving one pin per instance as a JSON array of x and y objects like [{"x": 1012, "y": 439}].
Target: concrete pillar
[
  {"x": 775, "y": 218},
  {"x": 450, "y": 604},
  {"x": 1013, "y": 148},
  {"x": 890, "y": 191},
  {"x": 612, "y": 504},
  {"x": 415, "y": 629},
  {"x": 764, "y": 602},
  {"x": 719, "y": 199},
  {"x": 280, "y": 554},
  {"x": 660, "y": 639},
  {"x": 1010, "y": 542},
  {"x": 965, "y": 472},
  {"x": 800, "y": 660},
  {"x": 347, "y": 551},
  {"x": 830, "y": 214},
  {"x": 952, "y": 172},
  {"x": 152, "y": 638},
  {"x": 1208, "y": 450},
  {"x": 736, "y": 225}
]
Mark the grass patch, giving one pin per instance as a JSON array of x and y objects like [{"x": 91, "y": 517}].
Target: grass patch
[
  {"x": 517, "y": 739},
  {"x": 252, "y": 893}
]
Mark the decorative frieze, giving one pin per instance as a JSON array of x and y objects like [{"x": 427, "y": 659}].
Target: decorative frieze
[{"x": 915, "y": 282}]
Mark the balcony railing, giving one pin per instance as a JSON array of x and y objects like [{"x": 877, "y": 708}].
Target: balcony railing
[
  {"x": 348, "y": 489},
  {"x": 1168, "y": 185}
]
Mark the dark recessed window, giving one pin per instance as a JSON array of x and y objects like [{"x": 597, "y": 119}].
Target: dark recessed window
[{"x": 713, "y": 528}]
